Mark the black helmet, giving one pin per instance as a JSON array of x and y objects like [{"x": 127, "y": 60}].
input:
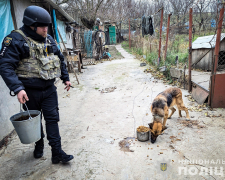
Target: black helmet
[{"x": 36, "y": 14}]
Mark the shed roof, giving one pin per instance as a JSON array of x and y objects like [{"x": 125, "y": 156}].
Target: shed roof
[
  {"x": 207, "y": 42},
  {"x": 55, "y": 6}
]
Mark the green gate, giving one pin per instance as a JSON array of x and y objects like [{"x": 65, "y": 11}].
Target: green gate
[{"x": 112, "y": 34}]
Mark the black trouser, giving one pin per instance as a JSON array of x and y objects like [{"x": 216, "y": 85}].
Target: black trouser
[{"x": 46, "y": 101}]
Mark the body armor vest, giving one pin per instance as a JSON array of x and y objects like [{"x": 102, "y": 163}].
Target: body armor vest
[{"x": 39, "y": 64}]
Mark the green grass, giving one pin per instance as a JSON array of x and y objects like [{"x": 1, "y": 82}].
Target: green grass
[
  {"x": 152, "y": 57},
  {"x": 171, "y": 57},
  {"x": 118, "y": 53},
  {"x": 125, "y": 45}
]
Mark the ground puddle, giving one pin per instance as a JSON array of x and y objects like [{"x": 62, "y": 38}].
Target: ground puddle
[{"x": 125, "y": 144}]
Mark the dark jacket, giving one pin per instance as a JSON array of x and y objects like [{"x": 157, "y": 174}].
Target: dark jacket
[{"x": 15, "y": 48}]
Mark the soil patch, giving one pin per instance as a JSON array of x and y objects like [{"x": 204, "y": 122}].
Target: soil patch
[
  {"x": 191, "y": 123},
  {"x": 125, "y": 144},
  {"x": 115, "y": 53}
]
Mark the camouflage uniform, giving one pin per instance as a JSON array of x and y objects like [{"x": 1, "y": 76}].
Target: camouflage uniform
[{"x": 39, "y": 64}]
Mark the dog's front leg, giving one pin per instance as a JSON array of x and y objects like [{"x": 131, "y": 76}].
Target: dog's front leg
[
  {"x": 165, "y": 118},
  {"x": 173, "y": 110}
]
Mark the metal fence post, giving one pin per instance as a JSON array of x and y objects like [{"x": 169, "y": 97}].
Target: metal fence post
[
  {"x": 190, "y": 50},
  {"x": 160, "y": 35},
  {"x": 129, "y": 35},
  {"x": 167, "y": 35},
  {"x": 216, "y": 56}
]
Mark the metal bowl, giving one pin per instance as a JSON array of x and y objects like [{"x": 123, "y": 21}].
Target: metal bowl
[{"x": 143, "y": 136}]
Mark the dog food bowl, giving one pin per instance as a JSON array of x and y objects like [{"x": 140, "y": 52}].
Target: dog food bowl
[{"x": 142, "y": 133}]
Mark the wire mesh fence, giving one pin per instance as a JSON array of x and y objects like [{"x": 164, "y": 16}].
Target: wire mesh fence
[
  {"x": 221, "y": 57},
  {"x": 88, "y": 41}
]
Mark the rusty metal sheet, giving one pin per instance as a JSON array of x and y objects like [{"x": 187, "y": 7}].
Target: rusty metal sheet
[
  {"x": 199, "y": 93},
  {"x": 218, "y": 97}
]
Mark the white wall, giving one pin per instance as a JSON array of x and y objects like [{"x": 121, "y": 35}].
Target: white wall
[
  {"x": 69, "y": 43},
  {"x": 19, "y": 7},
  {"x": 8, "y": 106}
]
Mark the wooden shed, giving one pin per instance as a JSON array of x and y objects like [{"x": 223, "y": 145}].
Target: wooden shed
[{"x": 203, "y": 52}]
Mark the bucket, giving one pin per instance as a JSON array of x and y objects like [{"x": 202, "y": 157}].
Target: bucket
[
  {"x": 143, "y": 136},
  {"x": 143, "y": 133},
  {"x": 29, "y": 129}
]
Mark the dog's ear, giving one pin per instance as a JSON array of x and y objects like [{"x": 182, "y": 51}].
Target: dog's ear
[
  {"x": 150, "y": 125},
  {"x": 164, "y": 128}
]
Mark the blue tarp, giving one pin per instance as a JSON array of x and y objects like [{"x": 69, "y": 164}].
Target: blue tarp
[
  {"x": 6, "y": 22},
  {"x": 213, "y": 23},
  {"x": 187, "y": 24},
  {"x": 62, "y": 30},
  {"x": 55, "y": 27}
]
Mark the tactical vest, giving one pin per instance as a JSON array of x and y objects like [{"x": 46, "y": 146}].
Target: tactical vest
[{"x": 38, "y": 64}]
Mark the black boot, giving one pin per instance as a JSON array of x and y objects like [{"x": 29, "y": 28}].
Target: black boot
[
  {"x": 60, "y": 155},
  {"x": 82, "y": 67},
  {"x": 38, "y": 150}
]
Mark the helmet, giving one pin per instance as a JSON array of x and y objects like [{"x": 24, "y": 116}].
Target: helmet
[{"x": 36, "y": 14}]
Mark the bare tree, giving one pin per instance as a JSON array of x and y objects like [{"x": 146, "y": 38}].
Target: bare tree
[
  {"x": 87, "y": 10},
  {"x": 180, "y": 10},
  {"x": 202, "y": 12}
]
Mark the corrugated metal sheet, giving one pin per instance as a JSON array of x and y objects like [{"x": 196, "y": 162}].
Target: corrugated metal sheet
[{"x": 206, "y": 41}]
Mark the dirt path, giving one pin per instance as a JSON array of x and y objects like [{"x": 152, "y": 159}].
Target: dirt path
[{"x": 94, "y": 122}]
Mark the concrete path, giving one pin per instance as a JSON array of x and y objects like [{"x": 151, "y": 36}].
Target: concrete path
[{"x": 95, "y": 120}]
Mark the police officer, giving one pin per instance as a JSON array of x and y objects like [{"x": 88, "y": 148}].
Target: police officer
[{"x": 29, "y": 63}]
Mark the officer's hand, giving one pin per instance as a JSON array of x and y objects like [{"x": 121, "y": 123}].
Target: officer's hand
[
  {"x": 22, "y": 97},
  {"x": 68, "y": 84}
]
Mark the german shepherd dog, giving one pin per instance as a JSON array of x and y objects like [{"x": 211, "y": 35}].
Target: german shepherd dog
[{"x": 160, "y": 110}]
